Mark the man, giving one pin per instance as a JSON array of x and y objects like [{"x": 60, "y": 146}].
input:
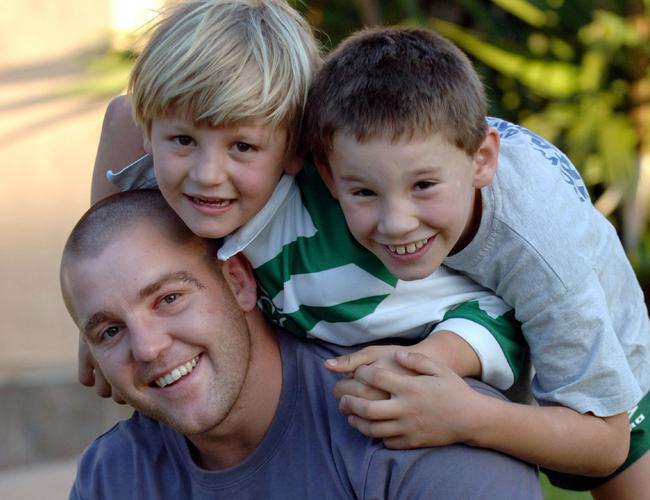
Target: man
[{"x": 225, "y": 406}]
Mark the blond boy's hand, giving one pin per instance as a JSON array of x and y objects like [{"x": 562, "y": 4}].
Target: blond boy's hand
[
  {"x": 90, "y": 375},
  {"x": 433, "y": 408}
]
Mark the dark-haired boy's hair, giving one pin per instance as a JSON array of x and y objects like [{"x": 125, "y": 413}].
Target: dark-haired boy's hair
[{"x": 395, "y": 83}]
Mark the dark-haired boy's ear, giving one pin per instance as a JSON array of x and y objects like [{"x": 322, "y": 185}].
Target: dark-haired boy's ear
[
  {"x": 326, "y": 174},
  {"x": 485, "y": 159},
  {"x": 240, "y": 278}
]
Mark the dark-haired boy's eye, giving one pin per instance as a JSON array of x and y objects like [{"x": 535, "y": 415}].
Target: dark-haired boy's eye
[{"x": 363, "y": 192}]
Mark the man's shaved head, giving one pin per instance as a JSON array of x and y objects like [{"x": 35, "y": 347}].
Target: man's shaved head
[{"x": 107, "y": 219}]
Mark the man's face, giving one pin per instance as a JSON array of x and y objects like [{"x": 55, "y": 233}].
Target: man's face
[
  {"x": 217, "y": 179},
  {"x": 408, "y": 202},
  {"x": 164, "y": 327}
]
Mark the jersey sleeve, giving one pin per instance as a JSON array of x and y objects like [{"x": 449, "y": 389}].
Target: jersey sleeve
[
  {"x": 137, "y": 175},
  {"x": 490, "y": 327}
]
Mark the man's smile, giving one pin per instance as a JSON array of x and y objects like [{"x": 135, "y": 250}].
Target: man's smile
[{"x": 177, "y": 373}]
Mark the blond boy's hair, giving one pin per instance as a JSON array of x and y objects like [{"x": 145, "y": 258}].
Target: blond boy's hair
[{"x": 221, "y": 62}]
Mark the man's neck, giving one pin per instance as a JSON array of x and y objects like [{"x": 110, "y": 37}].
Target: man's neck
[{"x": 241, "y": 432}]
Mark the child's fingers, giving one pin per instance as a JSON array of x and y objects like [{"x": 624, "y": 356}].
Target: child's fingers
[
  {"x": 385, "y": 409},
  {"x": 379, "y": 430},
  {"x": 384, "y": 379},
  {"x": 353, "y": 387},
  {"x": 85, "y": 369},
  {"x": 420, "y": 363},
  {"x": 102, "y": 387},
  {"x": 350, "y": 362}
]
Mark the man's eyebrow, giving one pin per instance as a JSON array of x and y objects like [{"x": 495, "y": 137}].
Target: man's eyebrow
[
  {"x": 96, "y": 319},
  {"x": 182, "y": 276}
]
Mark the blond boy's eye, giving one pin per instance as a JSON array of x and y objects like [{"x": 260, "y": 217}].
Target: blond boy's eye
[
  {"x": 424, "y": 185},
  {"x": 243, "y": 147},
  {"x": 183, "y": 140}
]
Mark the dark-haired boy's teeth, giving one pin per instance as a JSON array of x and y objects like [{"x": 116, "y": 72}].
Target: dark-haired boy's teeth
[{"x": 408, "y": 248}]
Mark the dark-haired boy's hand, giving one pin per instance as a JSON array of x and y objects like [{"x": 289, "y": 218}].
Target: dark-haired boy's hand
[{"x": 431, "y": 408}]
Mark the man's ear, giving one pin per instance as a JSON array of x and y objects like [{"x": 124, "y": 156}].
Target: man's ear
[
  {"x": 326, "y": 174},
  {"x": 239, "y": 275},
  {"x": 485, "y": 159}
]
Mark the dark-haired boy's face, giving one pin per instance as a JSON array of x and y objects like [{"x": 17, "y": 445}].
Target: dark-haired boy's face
[
  {"x": 408, "y": 202},
  {"x": 164, "y": 327},
  {"x": 217, "y": 179}
]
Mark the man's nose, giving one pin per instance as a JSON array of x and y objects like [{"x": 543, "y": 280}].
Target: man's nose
[
  {"x": 210, "y": 168},
  {"x": 396, "y": 218},
  {"x": 148, "y": 339}
]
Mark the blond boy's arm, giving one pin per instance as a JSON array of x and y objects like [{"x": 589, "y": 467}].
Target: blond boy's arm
[{"x": 121, "y": 142}]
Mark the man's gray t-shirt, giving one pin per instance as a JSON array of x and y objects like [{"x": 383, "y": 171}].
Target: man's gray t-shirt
[
  {"x": 308, "y": 452},
  {"x": 544, "y": 248}
]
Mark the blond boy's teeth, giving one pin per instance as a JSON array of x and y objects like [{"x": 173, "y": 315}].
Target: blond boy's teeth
[
  {"x": 176, "y": 373},
  {"x": 409, "y": 248},
  {"x": 216, "y": 203}
]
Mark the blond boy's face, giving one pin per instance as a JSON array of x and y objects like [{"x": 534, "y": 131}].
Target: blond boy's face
[
  {"x": 217, "y": 179},
  {"x": 408, "y": 202}
]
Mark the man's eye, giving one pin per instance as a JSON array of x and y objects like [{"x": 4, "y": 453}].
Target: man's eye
[
  {"x": 243, "y": 147},
  {"x": 111, "y": 331},
  {"x": 183, "y": 140},
  {"x": 168, "y": 299}
]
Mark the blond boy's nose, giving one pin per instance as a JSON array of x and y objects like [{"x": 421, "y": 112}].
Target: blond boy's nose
[{"x": 210, "y": 169}]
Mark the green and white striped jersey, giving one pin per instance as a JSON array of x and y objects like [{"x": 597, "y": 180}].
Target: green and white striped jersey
[{"x": 316, "y": 280}]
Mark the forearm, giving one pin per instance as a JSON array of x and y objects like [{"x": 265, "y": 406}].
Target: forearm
[
  {"x": 120, "y": 143},
  {"x": 553, "y": 437},
  {"x": 450, "y": 349}
]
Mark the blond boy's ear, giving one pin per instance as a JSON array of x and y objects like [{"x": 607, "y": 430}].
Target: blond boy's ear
[
  {"x": 146, "y": 144},
  {"x": 485, "y": 159},
  {"x": 239, "y": 275},
  {"x": 294, "y": 166},
  {"x": 326, "y": 174}
]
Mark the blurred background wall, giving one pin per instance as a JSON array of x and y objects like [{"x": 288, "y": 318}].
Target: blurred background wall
[{"x": 55, "y": 82}]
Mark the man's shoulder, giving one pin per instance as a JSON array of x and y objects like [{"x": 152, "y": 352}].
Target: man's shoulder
[{"x": 118, "y": 453}]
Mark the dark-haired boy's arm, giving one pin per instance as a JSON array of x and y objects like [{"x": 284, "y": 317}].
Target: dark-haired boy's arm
[
  {"x": 436, "y": 407},
  {"x": 121, "y": 142}
]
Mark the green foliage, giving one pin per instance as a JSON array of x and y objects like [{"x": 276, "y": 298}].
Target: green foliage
[{"x": 576, "y": 72}]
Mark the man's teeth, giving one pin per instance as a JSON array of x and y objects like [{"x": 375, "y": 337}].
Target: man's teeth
[
  {"x": 177, "y": 373},
  {"x": 409, "y": 248}
]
